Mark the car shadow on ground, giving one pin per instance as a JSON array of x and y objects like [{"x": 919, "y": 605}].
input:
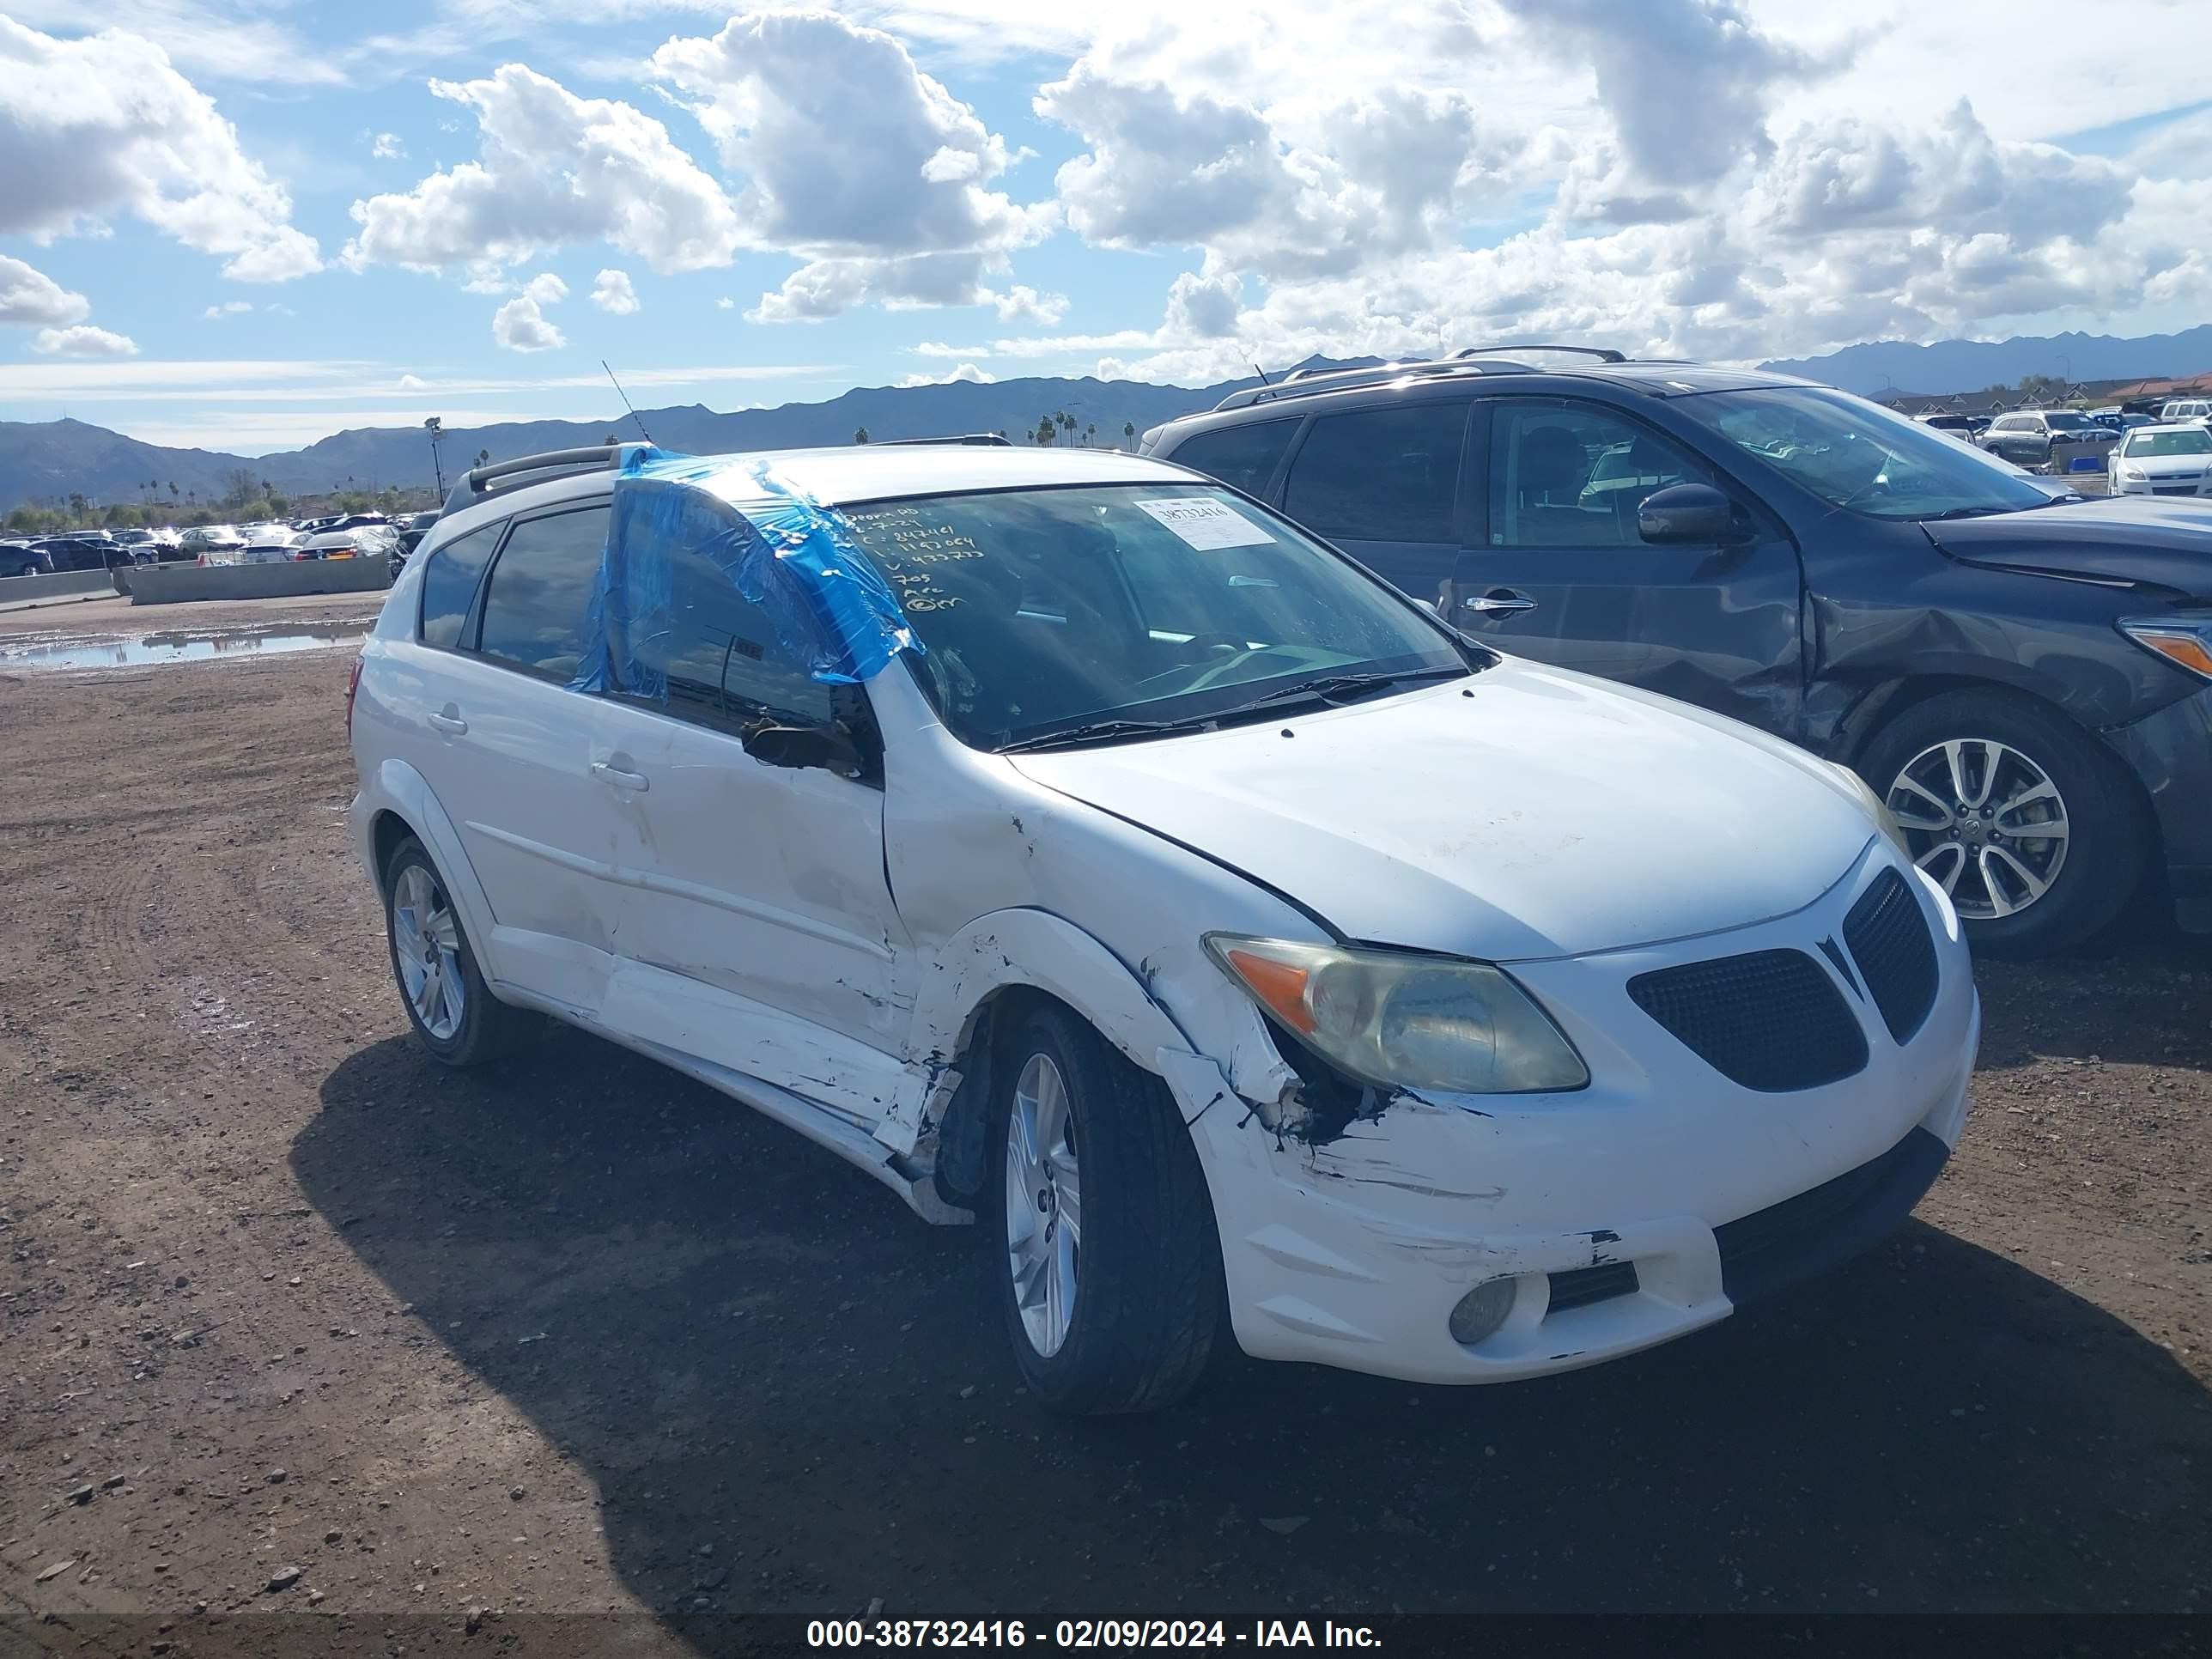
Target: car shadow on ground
[{"x": 747, "y": 1344}]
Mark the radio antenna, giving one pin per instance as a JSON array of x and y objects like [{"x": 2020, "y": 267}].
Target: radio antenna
[
  {"x": 627, "y": 404},
  {"x": 1262, "y": 373}
]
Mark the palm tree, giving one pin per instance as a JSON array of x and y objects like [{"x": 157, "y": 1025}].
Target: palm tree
[
  {"x": 1067, "y": 421},
  {"x": 1048, "y": 431},
  {"x": 173, "y": 490},
  {"x": 1128, "y": 435},
  {"x": 483, "y": 458},
  {"x": 1090, "y": 435},
  {"x": 859, "y": 434}
]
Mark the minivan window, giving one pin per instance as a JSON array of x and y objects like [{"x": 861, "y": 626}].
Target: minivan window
[
  {"x": 1386, "y": 474},
  {"x": 449, "y": 582},
  {"x": 1573, "y": 476},
  {"x": 1854, "y": 454},
  {"x": 540, "y": 588},
  {"x": 1045, "y": 611},
  {"x": 711, "y": 656},
  {"x": 1243, "y": 457}
]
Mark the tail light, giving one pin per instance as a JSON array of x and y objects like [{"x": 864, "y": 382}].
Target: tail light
[{"x": 353, "y": 685}]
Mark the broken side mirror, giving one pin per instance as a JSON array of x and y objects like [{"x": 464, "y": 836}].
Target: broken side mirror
[{"x": 831, "y": 747}]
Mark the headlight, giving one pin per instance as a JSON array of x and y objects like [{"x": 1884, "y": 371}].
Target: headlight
[
  {"x": 1410, "y": 1022},
  {"x": 2131, "y": 474},
  {"x": 2184, "y": 643},
  {"x": 1878, "y": 809}
]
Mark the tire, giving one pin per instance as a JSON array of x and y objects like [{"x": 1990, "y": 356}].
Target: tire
[
  {"x": 486, "y": 1028},
  {"x": 1148, "y": 1297},
  {"x": 2100, "y": 858}
]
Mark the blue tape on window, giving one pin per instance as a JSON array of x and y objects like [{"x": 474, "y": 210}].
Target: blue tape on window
[{"x": 794, "y": 558}]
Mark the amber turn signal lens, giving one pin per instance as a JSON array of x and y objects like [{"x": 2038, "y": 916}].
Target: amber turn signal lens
[
  {"x": 1279, "y": 986},
  {"x": 2186, "y": 649}
]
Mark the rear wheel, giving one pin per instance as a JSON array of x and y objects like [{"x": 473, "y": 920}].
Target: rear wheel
[
  {"x": 456, "y": 1018},
  {"x": 2031, "y": 827},
  {"x": 1098, "y": 1231}
]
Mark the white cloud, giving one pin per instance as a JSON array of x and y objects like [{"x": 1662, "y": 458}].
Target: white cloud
[
  {"x": 1026, "y": 305},
  {"x": 726, "y": 303},
  {"x": 520, "y": 325},
  {"x": 849, "y": 157},
  {"x": 83, "y": 341},
  {"x": 966, "y": 372},
  {"x": 103, "y": 123},
  {"x": 227, "y": 308},
  {"x": 612, "y": 291},
  {"x": 387, "y": 147},
  {"x": 554, "y": 169},
  {"x": 31, "y": 296},
  {"x": 219, "y": 40}
]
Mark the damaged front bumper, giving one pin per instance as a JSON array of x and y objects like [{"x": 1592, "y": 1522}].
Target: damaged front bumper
[{"x": 1644, "y": 1209}]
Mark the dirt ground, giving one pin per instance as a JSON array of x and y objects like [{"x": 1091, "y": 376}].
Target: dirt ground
[{"x": 282, "y": 1305}]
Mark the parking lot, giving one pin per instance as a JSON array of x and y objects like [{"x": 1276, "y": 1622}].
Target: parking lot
[{"x": 285, "y": 1306}]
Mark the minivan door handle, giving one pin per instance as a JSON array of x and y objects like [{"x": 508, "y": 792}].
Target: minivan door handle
[
  {"x": 636, "y": 782},
  {"x": 450, "y": 723},
  {"x": 1498, "y": 601}
]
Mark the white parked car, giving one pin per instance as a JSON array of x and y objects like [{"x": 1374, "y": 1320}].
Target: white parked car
[
  {"x": 272, "y": 544},
  {"x": 2164, "y": 460},
  {"x": 1073, "y": 844}
]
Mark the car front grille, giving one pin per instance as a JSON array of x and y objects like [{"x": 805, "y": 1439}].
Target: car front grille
[
  {"x": 2173, "y": 490},
  {"x": 1769, "y": 1020},
  {"x": 1889, "y": 940}
]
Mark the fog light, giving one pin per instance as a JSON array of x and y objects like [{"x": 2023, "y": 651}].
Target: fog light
[{"x": 1481, "y": 1311}]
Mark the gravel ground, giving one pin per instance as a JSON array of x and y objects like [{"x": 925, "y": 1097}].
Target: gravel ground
[{"x": 290, "y": 1319}]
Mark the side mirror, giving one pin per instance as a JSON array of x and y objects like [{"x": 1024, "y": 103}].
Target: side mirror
[
  {"x": 1692, "y": 513},
  {"x": 831, "y": 747}
]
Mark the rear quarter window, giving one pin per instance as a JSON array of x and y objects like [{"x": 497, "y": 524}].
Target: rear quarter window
[
  {"x": 1243, "y": 457},
  {"x": 449, "y": 584}
]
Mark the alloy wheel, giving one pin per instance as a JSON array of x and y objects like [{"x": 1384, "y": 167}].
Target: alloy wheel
[
  {"x": 1044, "y": 1210},
  {"x": 426, "y": 943},
  {"x": 1985, "y": 821}
]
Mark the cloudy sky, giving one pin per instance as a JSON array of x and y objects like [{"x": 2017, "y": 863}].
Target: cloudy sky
[{"x": 246, "y": 224}]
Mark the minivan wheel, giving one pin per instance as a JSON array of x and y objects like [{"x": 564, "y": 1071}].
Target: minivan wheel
[
  {"x": 456, "y": 1018},
  {"x": 2033, "y": 829},
  {"x": 1099, "y": 1234}
]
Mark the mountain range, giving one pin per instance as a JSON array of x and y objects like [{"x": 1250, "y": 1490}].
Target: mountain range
[{"x": 46, "y": 461}]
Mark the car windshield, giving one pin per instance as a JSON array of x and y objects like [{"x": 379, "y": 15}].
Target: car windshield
[
  {"x": 1048, "y": 614},
  {"x": 2197, "y": 442},
  {"x": 1852, "y": 453},
  {"x": 2060, "y": 420}
]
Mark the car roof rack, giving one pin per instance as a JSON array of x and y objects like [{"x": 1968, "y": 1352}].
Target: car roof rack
[
  {"x": 481, "y": 484},
  {"x": 1311, "y": 383},
  {"x": 1603, "y": 353},
  {"x": 984, "y": 440}
]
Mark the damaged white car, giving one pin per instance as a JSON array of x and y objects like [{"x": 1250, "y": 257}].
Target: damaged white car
[{"x": 1081, "y": 849}]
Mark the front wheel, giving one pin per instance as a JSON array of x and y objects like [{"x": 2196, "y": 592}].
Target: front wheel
[
  {"x": 1098, "y": 1231},
  {"x": 2033, "y": 830}
]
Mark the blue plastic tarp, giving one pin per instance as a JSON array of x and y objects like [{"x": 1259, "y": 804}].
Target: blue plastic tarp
[{"x": 794, "y": 559}]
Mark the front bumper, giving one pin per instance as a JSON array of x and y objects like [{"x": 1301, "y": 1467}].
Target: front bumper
[
  {"x": 2171, "y": 753},
  {"x": 1638, "y": 1210}
]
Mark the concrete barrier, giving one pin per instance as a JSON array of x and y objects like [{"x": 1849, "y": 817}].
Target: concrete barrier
[
  {"x": 174, "y": 584},
  {"x": 61, "y": 585}
]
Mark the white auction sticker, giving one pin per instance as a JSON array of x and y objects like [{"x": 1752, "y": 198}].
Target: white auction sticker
[{"x": 1206, "y": 525}]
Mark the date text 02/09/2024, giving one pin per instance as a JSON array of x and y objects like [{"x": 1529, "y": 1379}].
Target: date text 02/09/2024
[{"x": 1086, "y": 1633}]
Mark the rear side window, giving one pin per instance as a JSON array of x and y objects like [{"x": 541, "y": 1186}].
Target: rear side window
[
  {"x": 533, "y": 610},
  {"x": 1243, "y": 457},
  {"x": 449, "y": 584},
  {"x": 1379, "y": 474}
]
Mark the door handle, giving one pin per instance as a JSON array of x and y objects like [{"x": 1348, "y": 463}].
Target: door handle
[
  {"x": 1498, "y": 602},
  {"x": 636, "y": 782},
  {"x": 452, "y": 725}
]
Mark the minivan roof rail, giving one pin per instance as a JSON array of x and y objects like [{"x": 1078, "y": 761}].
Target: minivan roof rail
[
  {"x": 981, "y": 439},
  {"x": 1603, "y": 353},
  {"x": 1311, "y": 383},
  {"x": 480, "y": 483}
]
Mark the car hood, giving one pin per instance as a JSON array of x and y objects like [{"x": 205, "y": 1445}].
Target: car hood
[
  {"x": 1523, "y": 812},
  {"x": 2134, "y": 539}
]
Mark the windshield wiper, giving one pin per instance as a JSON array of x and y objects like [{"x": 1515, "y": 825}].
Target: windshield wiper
[
  {"x": 1966, "y": 512},
  {"x": 1101, "y": 731},
  {"x": 1331, "y": 688}
]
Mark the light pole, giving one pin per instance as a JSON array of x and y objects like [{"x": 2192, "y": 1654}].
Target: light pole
[{"x": 436, "y": 429}]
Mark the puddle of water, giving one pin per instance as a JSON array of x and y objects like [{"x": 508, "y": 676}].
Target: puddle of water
[{"x": 174, "y": 648}]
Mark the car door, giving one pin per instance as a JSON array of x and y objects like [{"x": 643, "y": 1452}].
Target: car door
[
  {"x": 511, "y": 760},
  {"x": 1382, "y": 484},
  {"x": 1558, "y": 569},
  {"x": 757, "y": 929}
]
